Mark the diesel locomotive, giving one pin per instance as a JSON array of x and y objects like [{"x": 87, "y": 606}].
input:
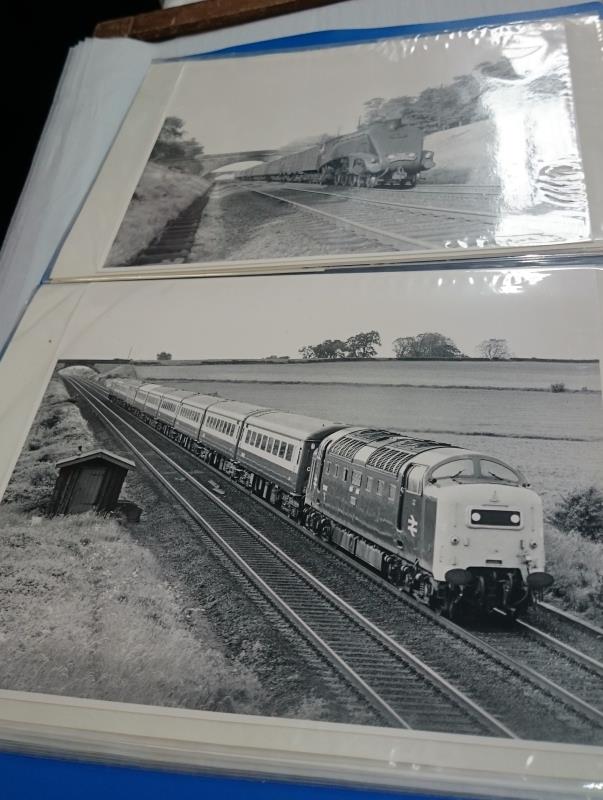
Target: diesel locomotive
[
  {"x": 459, "y": 529},
  {"x": 385, "y": 153}
]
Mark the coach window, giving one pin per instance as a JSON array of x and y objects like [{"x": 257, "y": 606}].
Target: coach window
[
  {"x": 328, "y": 467},
  {"x": 289, "y": 454},
  {"x": 247, "y": 436},
  {"x": 380, "y": 485},
  {"x": 392, "y": 491},
  {"x": 369, "y": 484},
  {"x": 356, "y": 477},
  {"x": 275, "y": 447},
  {"x": 344, "y": 477},
  {"x": 282, "y": 450},
  {"x": 263, "y": 443},
  {"x": 269, "y": 445}
]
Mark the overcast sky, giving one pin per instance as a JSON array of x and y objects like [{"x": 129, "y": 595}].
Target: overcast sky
[
  {"x": 268, "y": 101},
  {"x": 542, "y": 314}
]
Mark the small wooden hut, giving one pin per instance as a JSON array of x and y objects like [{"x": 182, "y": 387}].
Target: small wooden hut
[{"x": 89, "y": 482}]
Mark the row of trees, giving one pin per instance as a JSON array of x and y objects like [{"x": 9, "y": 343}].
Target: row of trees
[
  {"x": 442, "y": 107},
  {"x": 362, "y": 345},
  {"x": 422, "y": 346},
  {"x": 174, "y": 150}
]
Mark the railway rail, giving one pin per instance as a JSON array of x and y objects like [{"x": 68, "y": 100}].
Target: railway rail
[
  {"x": 376, "y": 224},
  {"x": 401, "y": 225},
  {"x": 405, "y": 691},
  {"x": 436, "y": 640}
]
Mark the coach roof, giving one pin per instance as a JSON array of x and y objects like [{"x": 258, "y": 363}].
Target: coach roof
[
  {"x": 202, "y": 401},
  {"x": 234, "y": 409},
  {"x": 297, "y": 426}
]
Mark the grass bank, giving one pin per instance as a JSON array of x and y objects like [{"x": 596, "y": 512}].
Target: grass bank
[
  {"x": 577, "y": 566},
  {"x": 84, "y": 609},
  {"x": 160, "y": 196}
]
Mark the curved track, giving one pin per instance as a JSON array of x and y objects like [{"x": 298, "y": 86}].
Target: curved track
[
  {"x": 462, "y": 657},
  {"x": 404, "y": 691}
]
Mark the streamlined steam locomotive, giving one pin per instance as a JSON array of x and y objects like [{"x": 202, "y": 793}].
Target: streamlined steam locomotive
[
  {"x": 459, "y": 529},
  {"x": 386, "y": 153}
]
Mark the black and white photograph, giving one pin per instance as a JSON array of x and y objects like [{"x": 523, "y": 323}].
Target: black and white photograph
[
  {"x": 404, "y": 146},
  {"x": 383, "y": 509}
]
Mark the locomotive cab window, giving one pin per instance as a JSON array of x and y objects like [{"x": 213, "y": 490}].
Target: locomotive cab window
[
  {"x": 460, "y": 468},
  {"x": 492, "y": 470}
]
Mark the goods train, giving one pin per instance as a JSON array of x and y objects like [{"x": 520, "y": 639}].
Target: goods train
[
  {"x": 459, "y": 529},
  {"x": 386, "y": 153}
]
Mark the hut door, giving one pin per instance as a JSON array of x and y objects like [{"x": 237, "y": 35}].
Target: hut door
[{"x": 85, "y": 492}]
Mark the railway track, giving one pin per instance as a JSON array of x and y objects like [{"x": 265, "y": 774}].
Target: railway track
[
  {"x": 400, "y": 225},
  {"x": 571, "y": 631},
  {"x": 353, "y": 220},
  {"x": 547, "y": 709},
  {"x": 401, "y": 688}
]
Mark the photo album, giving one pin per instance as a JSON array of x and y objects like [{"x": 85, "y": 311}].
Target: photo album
[
  {"x": 343, "y": 526},
  {"x": 373, "y": 500}
]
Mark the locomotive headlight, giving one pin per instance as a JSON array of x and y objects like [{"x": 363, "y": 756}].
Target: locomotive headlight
[
  {"x": 475, "y": 516},
  {"x": 515, "y": 518},
  {"x": 454, "y": 540}
]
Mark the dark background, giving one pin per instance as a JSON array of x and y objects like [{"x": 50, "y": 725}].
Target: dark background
[{"x": 36, "y": 39}]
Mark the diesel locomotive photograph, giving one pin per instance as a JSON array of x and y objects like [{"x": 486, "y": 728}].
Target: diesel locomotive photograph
[
  {"x": 384, "y": 511},
  {"x": 367, "y": 149}
]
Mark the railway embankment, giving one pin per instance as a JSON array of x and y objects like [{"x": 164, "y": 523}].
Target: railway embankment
[
  {"x": 85, "y": 608},
  {"x": 266, "y": 669},
  {"x": 462, "y": 155},
  {"x": 161, "y": 196}
]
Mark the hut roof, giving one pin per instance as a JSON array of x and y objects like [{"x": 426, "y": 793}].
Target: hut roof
[{"x": 93, "y": 454}]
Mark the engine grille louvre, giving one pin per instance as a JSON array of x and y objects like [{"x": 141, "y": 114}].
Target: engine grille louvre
[
  {"x": 388, "y": 459},
  {"x": 348, "y": 446}
]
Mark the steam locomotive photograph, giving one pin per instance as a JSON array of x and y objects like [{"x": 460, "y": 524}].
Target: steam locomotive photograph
[
  {"x": 364, "y": 150},
  {"x": 385, "y": 511}
]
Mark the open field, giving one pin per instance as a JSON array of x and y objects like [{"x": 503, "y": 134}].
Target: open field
[
  {"x": 556, "y": 439},
  {"x": 498, "y": 374}
]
